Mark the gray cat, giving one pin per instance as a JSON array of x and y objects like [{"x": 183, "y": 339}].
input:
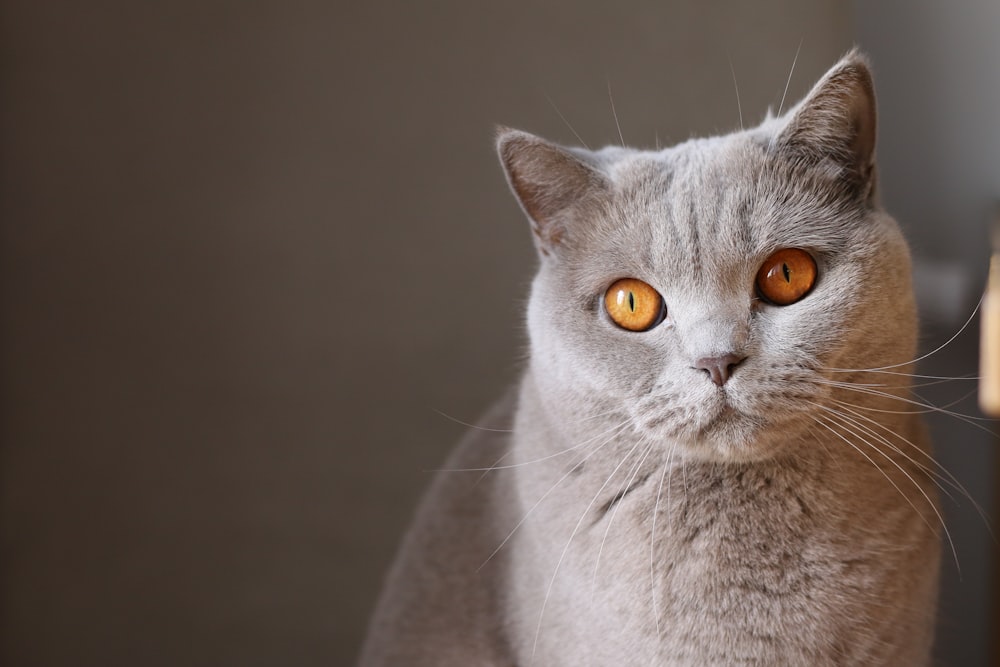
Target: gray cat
[{"x": 709, "y": 462}]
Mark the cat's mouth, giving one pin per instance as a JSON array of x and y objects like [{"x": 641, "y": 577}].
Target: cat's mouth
[{"x": 721, "y": 426}]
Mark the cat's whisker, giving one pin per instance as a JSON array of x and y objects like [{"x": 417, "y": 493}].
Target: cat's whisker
[
  {"x": 561, "y": 452},
  {"x": 872, "y": 385},
  {"x": 569, "y": 472},
  {"x": 829, "y": 425},
  {"x": 684, "y": 478},
  {"x": 614, "y": 511},
  {"x": 925, "y": 407},
  {"x": 739, "y": 106},
  {"x": 790, "y": 72},
  {"x": 916, "y": 376},
  {"x": 493, "y": 466},
  {"x": 819, "y": 441},
  {"x": 563, "y": 119},
  {"x": 929, "y": 408},
  {"x": 652, "y": 535},
  {"x": 939, "y": 480},
  {"x": 921, "y": 358},
  {"x": 945, "y": 476},
  {"x": 939, "y": 381},
  {"x": 611, "y": 99},
  {"x": 576, "y": 529},
  {"x": 472, "y": 426}
]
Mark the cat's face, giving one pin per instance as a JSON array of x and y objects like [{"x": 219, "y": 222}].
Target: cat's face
[{"x": 758, "y": 264}]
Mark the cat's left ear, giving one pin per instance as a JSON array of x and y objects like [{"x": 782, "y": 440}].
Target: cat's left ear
[
  {"x": 837, "y": 121},
  {"x": 554, "y": 185}
]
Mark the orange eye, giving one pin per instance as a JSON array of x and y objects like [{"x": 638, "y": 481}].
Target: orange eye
[
  {"x": 634, "y": 305},
  {"x": 786, "y": 276}
]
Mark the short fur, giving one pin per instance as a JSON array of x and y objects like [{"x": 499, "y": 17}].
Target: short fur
[{"x": 640, "y": 513}]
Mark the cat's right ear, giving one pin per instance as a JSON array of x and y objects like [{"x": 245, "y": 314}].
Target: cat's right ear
[{"x": 550, "y": 182}]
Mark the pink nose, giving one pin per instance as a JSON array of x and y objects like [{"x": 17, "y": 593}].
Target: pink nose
[{"x": 719, "y": 368}]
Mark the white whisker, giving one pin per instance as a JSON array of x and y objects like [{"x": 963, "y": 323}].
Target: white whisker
[
  {"x": 925, "y": 407},
  {"x": 614, "y": 511},
  {"x": 559, "y": 453},
  {"x": 739, "y": 106},
  {"x": 828, "y": 425},
  {"x": 615, "y": 114},
  {"x": 472, "y": 426},
  {"x": 789, "y": 81},
  {"x": 562, "y": 556},
  {"x": 942, "y": 378},
  {"x": 652, "y": 537},
  {"x": 921, "y": 358},
  {"x": 551, "y": 489},
  {"x": 938, "y": 479},
  {"x": 563, "y": 119},
  {"x": 945, "y": 475}
]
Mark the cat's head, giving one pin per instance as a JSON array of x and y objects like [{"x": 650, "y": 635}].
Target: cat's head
[{"x": 708, "y": 290}]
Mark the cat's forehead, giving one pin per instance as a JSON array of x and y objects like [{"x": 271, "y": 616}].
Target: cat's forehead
[
  {"x": 715, "y": 199},
  {"x": 688, "y": 201},
  {"x": 692, "y": 169}
]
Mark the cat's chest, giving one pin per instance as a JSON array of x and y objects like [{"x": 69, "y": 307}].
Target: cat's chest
[
  {"x": 728, "y": 545},
  {"x": 688, "y": 567}
]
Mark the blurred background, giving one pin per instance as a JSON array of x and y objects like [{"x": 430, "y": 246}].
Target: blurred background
[{"x": 249, "y": 251}]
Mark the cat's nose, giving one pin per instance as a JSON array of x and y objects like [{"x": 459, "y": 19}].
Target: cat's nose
[{"x": 719, "y": 368}]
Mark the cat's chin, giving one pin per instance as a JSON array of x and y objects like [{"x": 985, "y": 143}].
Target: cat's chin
[{"x": 733, "y": 436}]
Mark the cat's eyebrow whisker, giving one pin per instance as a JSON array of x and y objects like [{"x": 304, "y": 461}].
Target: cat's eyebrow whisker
[
  {"x": 790, "y": 72},
  {"x": 829, "y": 425},
  {"x": 739, "y": 106},
  {"x": 563, "y": 118},
  {"x": 614, "y": 113},
  {"x": 551, "y": 489},
  {"x": 576, "y": 529}
]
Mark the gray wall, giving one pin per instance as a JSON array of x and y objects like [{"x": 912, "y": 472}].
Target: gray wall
[
  {"x": 249, "y": 250},
  {"x": 938, "y": 67}
]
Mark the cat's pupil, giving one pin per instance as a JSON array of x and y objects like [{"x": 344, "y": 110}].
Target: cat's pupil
[
  {"x": 787, "y": 272},
  {"x": 631, "y": 301}
]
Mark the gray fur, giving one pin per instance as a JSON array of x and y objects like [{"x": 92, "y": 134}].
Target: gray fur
[{"x": 653, "y": 517}]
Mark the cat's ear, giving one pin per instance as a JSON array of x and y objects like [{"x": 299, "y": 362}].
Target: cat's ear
[
  {"x": 551, "y": 183},
  {"x": 837, "y": 120}
]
